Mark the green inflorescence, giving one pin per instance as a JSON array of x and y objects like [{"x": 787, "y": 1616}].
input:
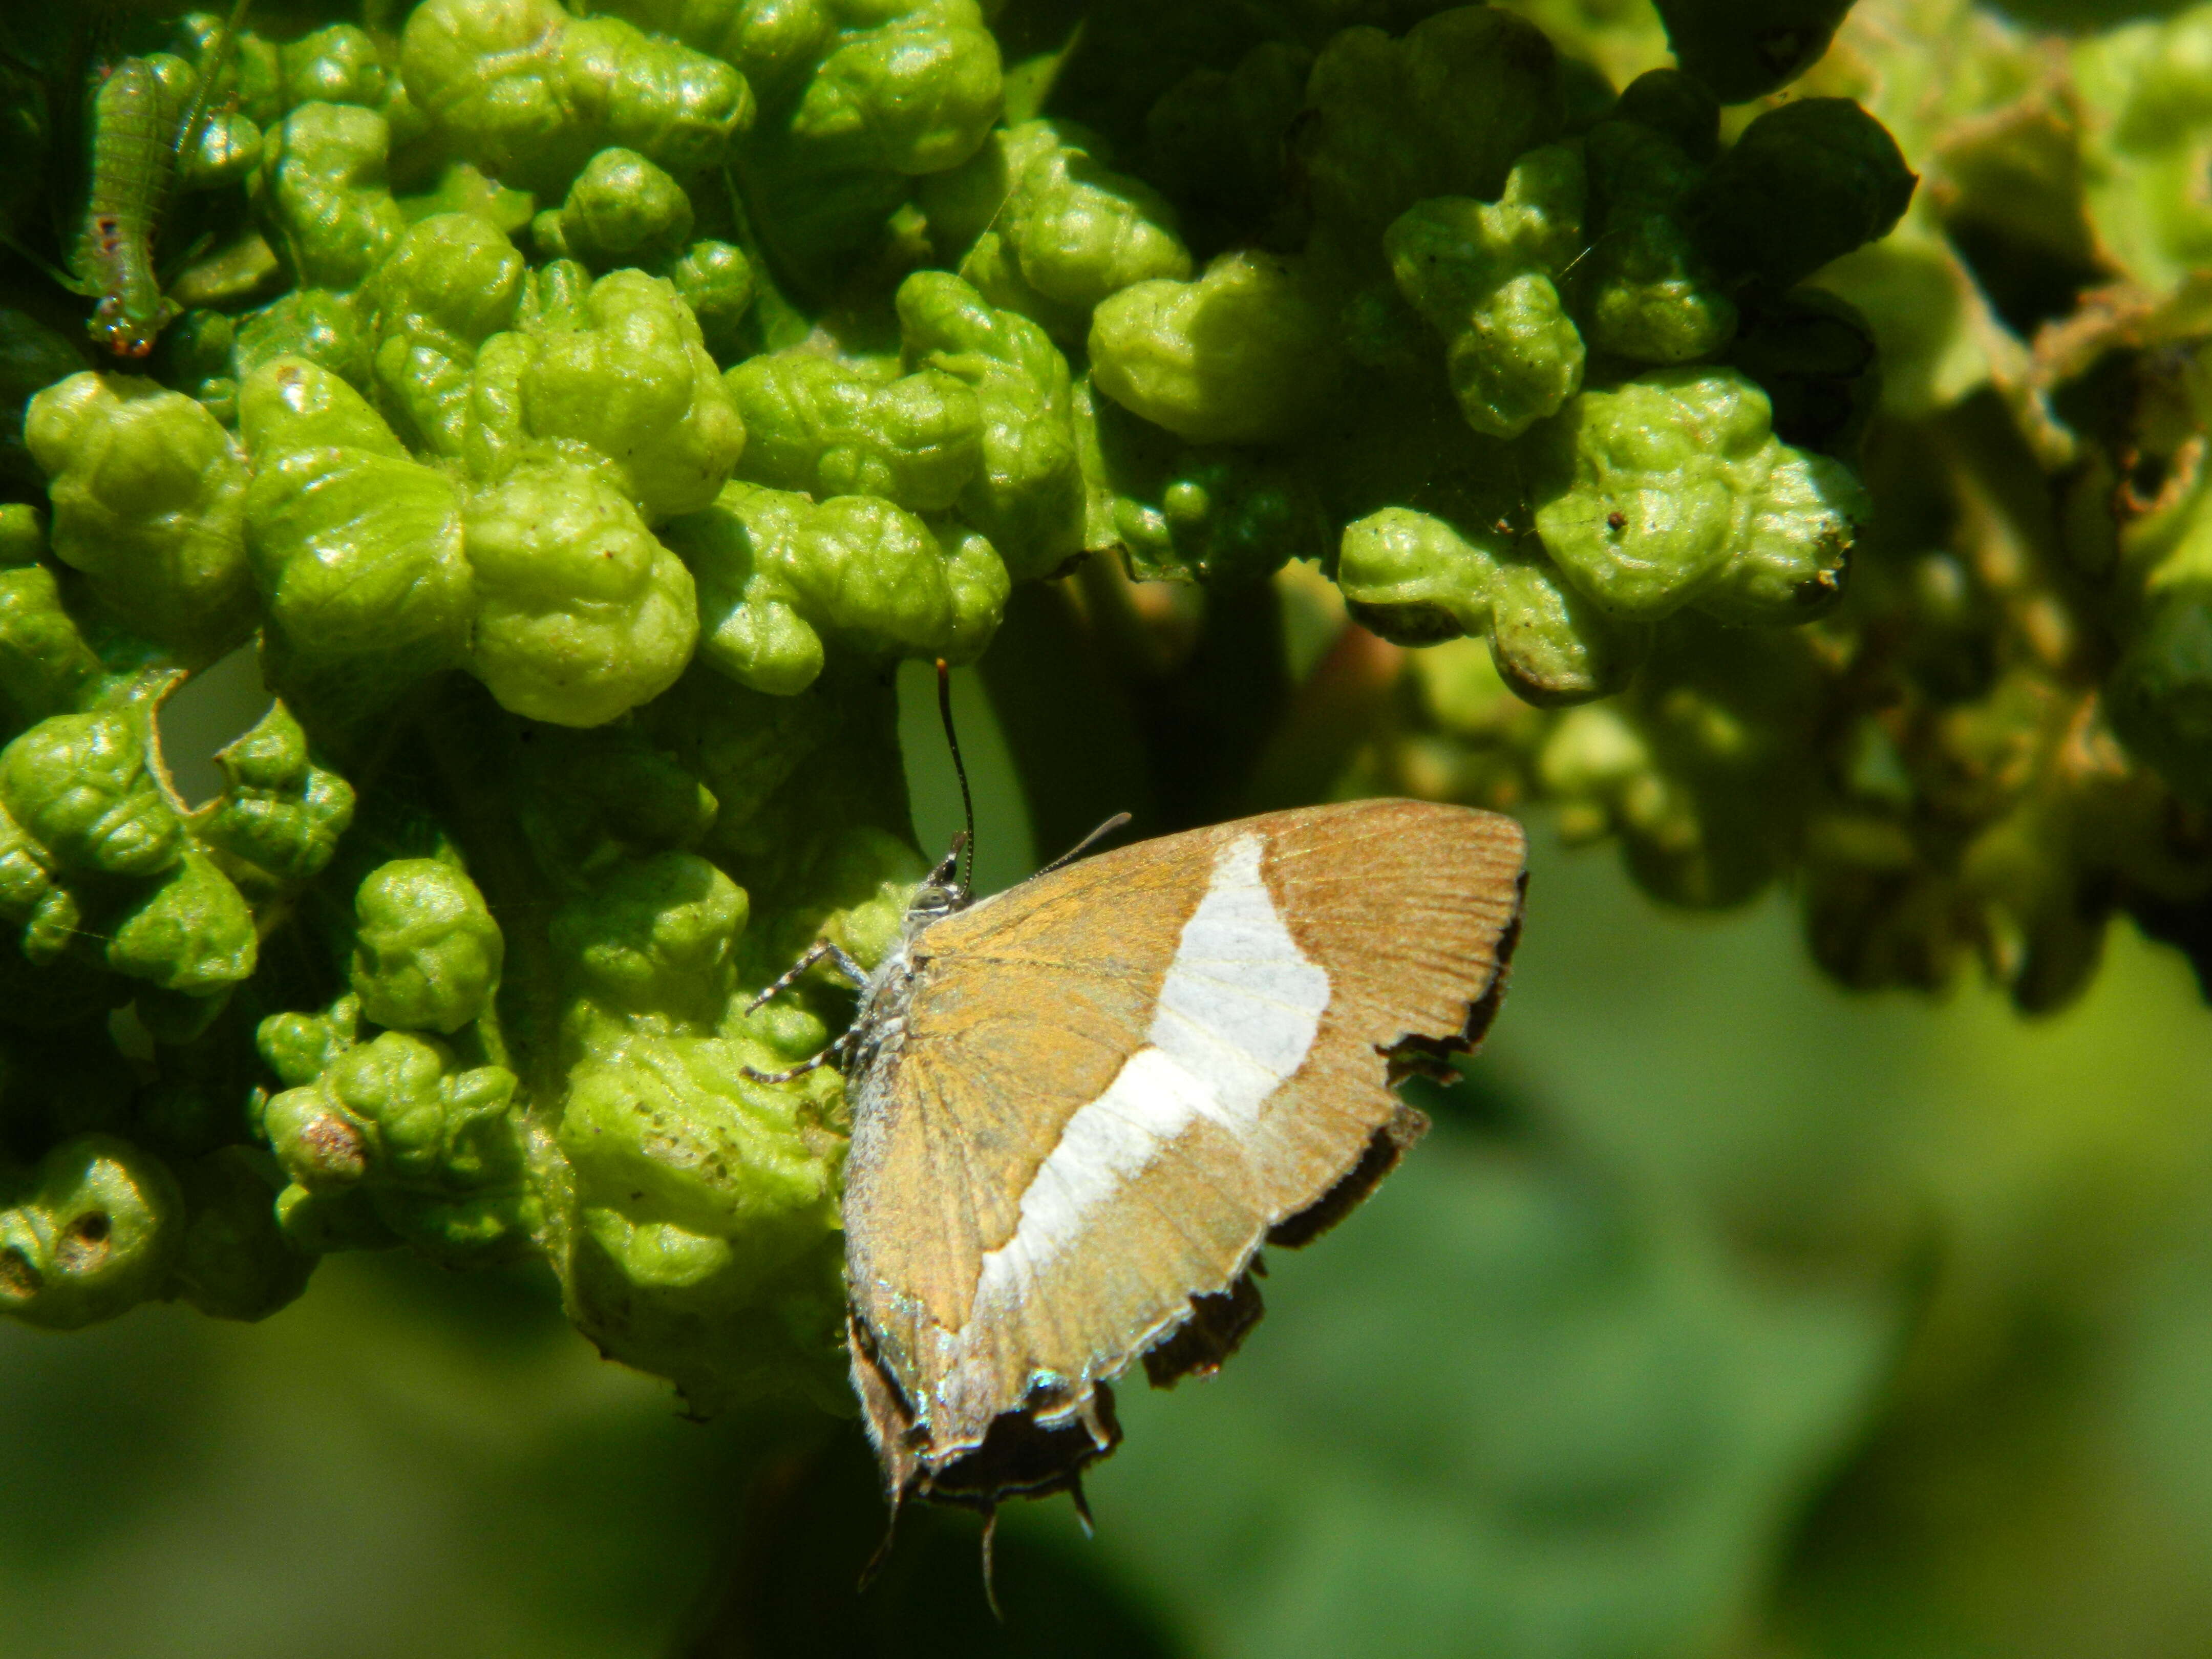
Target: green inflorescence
[{"x": 582, "y": 410}]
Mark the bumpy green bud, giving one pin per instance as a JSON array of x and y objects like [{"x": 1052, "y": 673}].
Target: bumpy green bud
[
  {"x": 78, "y": 785},
  {"x": 148, "y": 493},
  {"x": 1648, "y": 293},
  {"x": 1047, "y": 229},
  {"x": 828, "y": 426},
  {"x": 450, "y": 283},
  {"x": 1809, "y": 181},
  {"x": 1743, "y": 49},
  {"x": 279, "y": 816},
  {"x": 777, "y": 572},
  {"x": 656, "y": 937},
  {"x": 1224, "y": 517},
  {"x": 235, "y": 1262},
  {"x": 631, "y": 388},
  {"x": 336, "y": 64},
  {"x": 45, "y": 664},
  {"x": 300, "y": 1047},
  {"x": 1027, "y": 497},
  {"x": 1415, "y": 578},
  {"x": 905, "y": 88},
  {"x": 1443, "y": 111},
  {"x": 427, "y": 952},
  {"x": 582, "y": 614},
  {"x": 313, "y": 323},
  {"x": 356, "y": 546},
  {"x": 328, "y": 210},
  {"x": 527, "y": 93},
  {"x": 1481, "y": 273},
  {"x": 1246, "y": 354},
  {"x": 229, "y": 152},
  {"x": 434, "y": 1152},
  {"x": 622, "y": 211},
  {"x": 90, "y": 1234},
  {"x": 716, "y": 280},
  {"x": 191, "y": 934},
  {"x": 708, "y": 1205},
  {"x": 1673, "y": 491}
]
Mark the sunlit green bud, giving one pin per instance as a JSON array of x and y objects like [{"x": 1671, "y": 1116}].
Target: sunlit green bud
[
  {"x": 450, "y": 282},
  {"x": 45, "y": 664},
  {"x": 622, "y": 211},
  {"x": 777, "y": 572},
  {"x": 313, "y": 323},
  {"x": 337, "y": 64},
  {"x": 300, "y": 1047},
  {"x": 356, "y": 546},
  {"x": 329, "y": 211},
  {"x": 1481, "y": 274},
  {"x": 1649, "y": 292},
  {"x": 78, "y": 785},
  {"x": 278, "y": 813},
  {"x": 148, "y": 493},
  {"x": 1415, "y": 578},
  {"x": 1224, "y": 517},
  {"x": 676, "y": 1132},
  {"x": 1743, "y": 49},
  {"x": 235, "y": 1262},
  {"x": 1246, "y": 354},
  {"x": 915, "y": 93},
  {"x": 192, "y": 933},
  {"x": 679, "y": 108},
  {"x": 1672, "y": 489},
  {"x": 478, "y": 72},
  {"x": 1047, "y": 229},
  {"x": 634, "y": 384},
  {"x": 716, "y": 280},
  {"x": 1443, "y": 111},
  {"x": 826, "y": 426},
  {"x": 227, "y": 153},
  {"x": 582, "y": 615},
  {"x": 89, "y": 1234},
  {"x": 1808, "y": 182},
  {"x": 656, "y": 937},
  {"x": 1028, "y": 495},
  {"x": 427, "y": 952}
]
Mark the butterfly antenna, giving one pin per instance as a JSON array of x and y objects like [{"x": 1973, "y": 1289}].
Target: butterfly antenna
[
  {"x": 1086, "y": 843},
  {"x": 960, "y": 771},
  {"x": 990, "y": 1588}
]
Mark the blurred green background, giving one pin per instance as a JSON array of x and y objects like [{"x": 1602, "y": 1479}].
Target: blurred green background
[{"x": 1723, "y": 1314}]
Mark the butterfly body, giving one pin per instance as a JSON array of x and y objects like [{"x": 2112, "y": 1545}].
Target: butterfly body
[{"x": 1081, "y": 1106}]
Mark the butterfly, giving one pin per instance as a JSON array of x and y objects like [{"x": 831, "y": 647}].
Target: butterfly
[{"x": 1083, "y": 1105}]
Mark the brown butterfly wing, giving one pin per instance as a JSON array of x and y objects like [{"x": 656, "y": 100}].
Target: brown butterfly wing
[{"x": 1357, "y": 932}]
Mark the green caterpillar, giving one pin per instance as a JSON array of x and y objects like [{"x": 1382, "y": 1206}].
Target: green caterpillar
[{"x": 142, "y": 124}]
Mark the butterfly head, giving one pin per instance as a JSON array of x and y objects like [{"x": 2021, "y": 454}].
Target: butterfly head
[{"x": 942, "y": 891}]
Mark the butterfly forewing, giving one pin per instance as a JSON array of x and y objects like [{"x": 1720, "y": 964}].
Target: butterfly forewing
[{"x": 1110, "y": 1085}]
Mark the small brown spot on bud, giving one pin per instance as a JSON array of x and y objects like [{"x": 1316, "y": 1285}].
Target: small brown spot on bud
[{"x": 1616, "y": 521}]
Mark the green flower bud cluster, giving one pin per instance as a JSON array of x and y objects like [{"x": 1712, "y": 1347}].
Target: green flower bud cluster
[
  {"x": 2001, "y": 734},
  {"x": 580, "y": 410}
]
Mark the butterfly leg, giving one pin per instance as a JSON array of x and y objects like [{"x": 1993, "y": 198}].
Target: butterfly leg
[
  {"x": 820, "y": 949},
  {"x": 834, "y": 1053}
]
